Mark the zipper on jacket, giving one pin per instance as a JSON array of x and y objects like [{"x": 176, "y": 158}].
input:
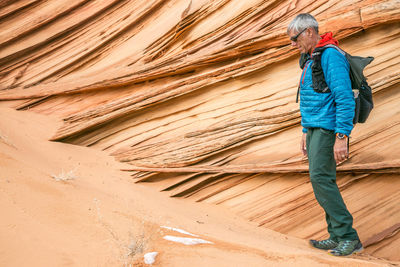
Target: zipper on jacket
[{"x": 303, "y": 75}]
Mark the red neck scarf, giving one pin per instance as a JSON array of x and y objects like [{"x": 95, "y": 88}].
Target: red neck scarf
[{"x": 327, "y": 39}]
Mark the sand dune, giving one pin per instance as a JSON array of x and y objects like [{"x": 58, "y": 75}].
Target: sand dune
[{"x": 100, "y": 218}]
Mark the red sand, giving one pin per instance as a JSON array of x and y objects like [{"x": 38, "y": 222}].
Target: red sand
[{"x": 95, "y": 218}]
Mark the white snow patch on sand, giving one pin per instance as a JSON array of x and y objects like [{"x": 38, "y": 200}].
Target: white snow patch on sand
[
  {"x": 187, "y": 240},
  {"x": 150, "y": 257},
  {"x": 178, "y": 230}
]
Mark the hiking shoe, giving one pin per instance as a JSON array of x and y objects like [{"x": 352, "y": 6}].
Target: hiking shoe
[
  {"x": 347, "y": 247},
  {"x": 324, "y": 244}
]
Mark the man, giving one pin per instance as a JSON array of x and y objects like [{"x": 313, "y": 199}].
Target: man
[{"x": 327, "y": 120}]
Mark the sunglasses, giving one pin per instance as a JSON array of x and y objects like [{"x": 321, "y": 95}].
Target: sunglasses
[{"x": 294, "y": 38}]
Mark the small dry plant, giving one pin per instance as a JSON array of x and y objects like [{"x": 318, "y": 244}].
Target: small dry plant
[
  {"x": 65, "y": 176},
  {"x": 137, "y": 245},
  {"x": 138, "y": 241}
]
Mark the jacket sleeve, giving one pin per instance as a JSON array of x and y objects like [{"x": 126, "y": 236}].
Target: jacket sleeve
[{"x": 337, "y": 77}]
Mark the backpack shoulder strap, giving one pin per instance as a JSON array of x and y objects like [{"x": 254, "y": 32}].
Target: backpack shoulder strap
[
  {"x": 318, "y": 78},
  {"x": 319, "y": 83},
  {"x": 336, "y": 47}
]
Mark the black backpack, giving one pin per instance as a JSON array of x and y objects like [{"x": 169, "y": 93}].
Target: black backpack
[{"x": 362, "y": 91}]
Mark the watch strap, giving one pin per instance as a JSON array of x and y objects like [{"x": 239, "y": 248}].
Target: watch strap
[{"x": 341, "y": 136}]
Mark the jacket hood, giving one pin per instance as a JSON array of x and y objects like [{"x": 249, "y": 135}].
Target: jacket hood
[{"x": 327, "y": 39}]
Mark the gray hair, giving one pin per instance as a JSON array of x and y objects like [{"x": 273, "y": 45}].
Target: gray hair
[{"x": 301, "y": 22}]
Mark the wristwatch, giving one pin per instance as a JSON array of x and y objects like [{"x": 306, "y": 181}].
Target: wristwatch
[{"x": 340, "y": 136}]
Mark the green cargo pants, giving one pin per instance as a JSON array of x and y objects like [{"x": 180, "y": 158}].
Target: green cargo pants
[{"x": 322, "y": 168}]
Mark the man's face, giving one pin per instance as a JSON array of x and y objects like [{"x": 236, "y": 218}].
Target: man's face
[{"x": 302, "y": 42}]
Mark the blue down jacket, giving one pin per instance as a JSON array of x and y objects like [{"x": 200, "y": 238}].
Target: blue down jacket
[{"x": 334, "y": 110}]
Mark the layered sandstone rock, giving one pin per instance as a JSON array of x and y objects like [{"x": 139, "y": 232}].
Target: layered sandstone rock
[{"x": 198, "y": 96}]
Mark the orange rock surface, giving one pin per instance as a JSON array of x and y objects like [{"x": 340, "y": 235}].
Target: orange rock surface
[{"x": 198, "y": 97}]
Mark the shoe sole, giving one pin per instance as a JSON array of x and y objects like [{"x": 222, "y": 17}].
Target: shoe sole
[{"x": 354, "y": 252}]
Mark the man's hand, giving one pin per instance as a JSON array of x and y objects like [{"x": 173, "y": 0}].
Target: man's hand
[
  {"x": 303, "y": 147},
  {"x": 340, "y": 150}
]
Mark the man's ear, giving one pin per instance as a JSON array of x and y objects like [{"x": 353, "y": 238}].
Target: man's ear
[{"x": 310, "y": 32}]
